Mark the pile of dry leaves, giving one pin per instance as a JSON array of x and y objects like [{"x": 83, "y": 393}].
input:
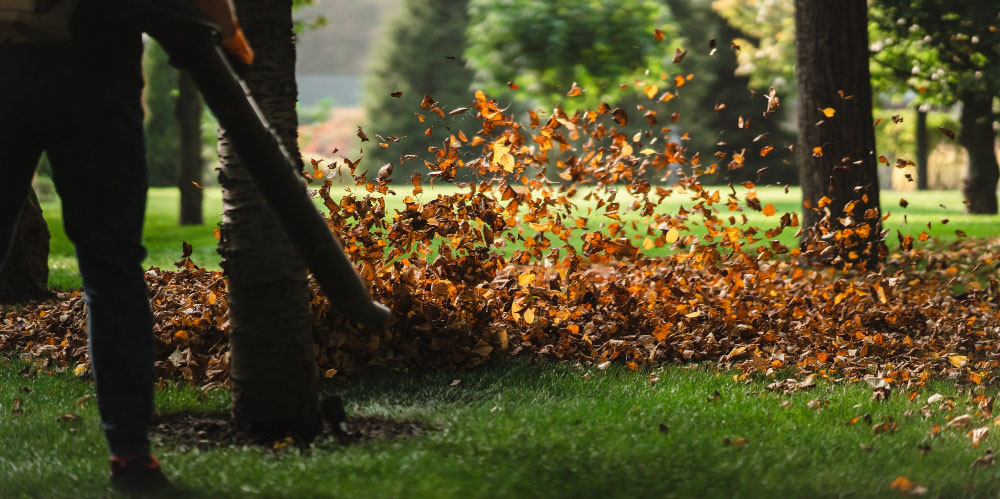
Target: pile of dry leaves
[{"x": 516, "y": 263}]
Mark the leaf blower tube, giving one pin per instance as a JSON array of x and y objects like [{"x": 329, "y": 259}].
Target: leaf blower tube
[{"x": 193, "y": 45}]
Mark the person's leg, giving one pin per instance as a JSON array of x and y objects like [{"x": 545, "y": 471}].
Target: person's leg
[
  {"x": 20, "y": 146},
  {"x": 97, "y": 153}
]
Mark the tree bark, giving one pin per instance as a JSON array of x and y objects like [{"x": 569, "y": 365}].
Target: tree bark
[
  {"x": 922, "y": 150},
  {"x": 977, "y": 136},
  {"x": 274, "y": 385},
  {"x": 187, "y": 107},
  {"x": 836, "y": 154},
  {"x": 25, "y": 274}
]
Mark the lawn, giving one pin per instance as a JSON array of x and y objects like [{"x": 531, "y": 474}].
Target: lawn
[
  {"x": 163, "y": 236},
  {"x": 517, "y": 428},
  {"x": 513, "y": 429}
]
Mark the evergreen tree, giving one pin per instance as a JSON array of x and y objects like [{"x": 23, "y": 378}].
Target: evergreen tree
[{"x": 421, "y": 52}]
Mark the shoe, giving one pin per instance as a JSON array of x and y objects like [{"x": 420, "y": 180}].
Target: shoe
[
  {"x": 334, "y": 413},
  {"x": 138, "y": 474}
]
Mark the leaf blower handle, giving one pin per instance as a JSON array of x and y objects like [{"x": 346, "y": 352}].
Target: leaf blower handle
[{"x": 193, "y": 44}]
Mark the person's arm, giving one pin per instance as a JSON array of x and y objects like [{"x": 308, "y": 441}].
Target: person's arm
[{"x": 222, "y": 13}]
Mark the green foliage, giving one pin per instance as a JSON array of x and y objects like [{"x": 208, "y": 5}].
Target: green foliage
[
  {"x": 899, "y": 139},
  {"x": 545, "y": 46},
  {"x": 767, "y": 44},
  {"x": 420, "y": 53},
  {"x": 716, "y": 82},
  {"x": 162, "y": 132},
  {"x": 939, "y": 49}
]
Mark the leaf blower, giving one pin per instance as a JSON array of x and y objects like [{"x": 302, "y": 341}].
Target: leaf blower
[{"x": 195, "y": 45}]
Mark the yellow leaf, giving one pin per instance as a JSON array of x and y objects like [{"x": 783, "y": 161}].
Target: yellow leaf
[
  {"x": 526, "y": 279},
  {"x": 507, "y": 162},
  {"x": 516, "y": 307},
  {"x": 958, "y": 360},
  {"x": 647, "y": 151},
  {"x": 672, "y": 235},
  {"x": 694, "y": 314},
  {"x": 647, "y": 244},
  {"x": 482, "y": 349},
  {"x": 829, "y": 112},
  {"x": 212, "y": 300},
  {"x": 500, "y": 147},
  {"x": 79, "y": 370},
  {"x": 661, "y": 332},
  {"x": 529, "y": 315},
  {"x": 736, "y": 351},
  {"x": 651, "y": 91}
]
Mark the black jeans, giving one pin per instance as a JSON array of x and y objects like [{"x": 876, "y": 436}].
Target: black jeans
[{"x": 81, "y": 103}]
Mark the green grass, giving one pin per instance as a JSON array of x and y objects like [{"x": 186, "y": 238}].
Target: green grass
[
  {"x": 511, "y": 429},
  {"x": 163, "y": 236},
  {"x": 514, "y": 429}
]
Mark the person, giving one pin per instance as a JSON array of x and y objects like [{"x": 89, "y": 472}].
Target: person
[{"x": 71, "y": 86}]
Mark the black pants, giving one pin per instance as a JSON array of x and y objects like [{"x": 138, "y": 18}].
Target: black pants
[{"x": 81, "y": 104}]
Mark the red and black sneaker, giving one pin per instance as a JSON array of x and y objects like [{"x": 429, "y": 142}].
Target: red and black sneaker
[{"x": 138, "y": 474}]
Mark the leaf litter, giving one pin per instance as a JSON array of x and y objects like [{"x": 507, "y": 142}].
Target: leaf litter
[{"x": 547, "y": 249}]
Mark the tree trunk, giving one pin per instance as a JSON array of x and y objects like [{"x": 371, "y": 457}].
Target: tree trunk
[
  {"x": 836, "y": 154},
  {"x": 922, "y": 150},
  {"x": 187, "y": 107},
  {"x": 980, "y": 184},
  {"x": 274, "y": 385},
  {"x": 25, "y": 275}
]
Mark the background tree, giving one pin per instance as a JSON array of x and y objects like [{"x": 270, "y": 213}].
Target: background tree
[
  {"x": 420, "y": 53},
  {"x": 947, "y": 52},
  {"x": 162, "y": 133},
  {"x": 188, "y": 110},
  {"x": 723, "y": 95},
  {"x": 274, "y": 386},
  {"x": 25, "y": 274},
  {"x": 836, "y": 147},
  {"x": 545, "y": 46},
  {"x": 173, "y": 131}
]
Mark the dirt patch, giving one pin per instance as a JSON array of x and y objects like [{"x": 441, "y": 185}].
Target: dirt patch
[{"x": 219, "y": 430}]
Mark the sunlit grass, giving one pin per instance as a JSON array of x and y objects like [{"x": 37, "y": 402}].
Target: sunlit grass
[
  {"x": 511, "y": 429},
  {"x": 163, "y": 236}
]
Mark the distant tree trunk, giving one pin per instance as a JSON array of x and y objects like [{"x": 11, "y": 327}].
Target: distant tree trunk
[
  {"x": 977, "y": 136},
  {"x": 831, "y": 40},
  {"x": 25, "y": 274},
  {"x": 187, "y": 107},
  {"x": 922, "y": 150},
  {"x": 274, "y": 385}
]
